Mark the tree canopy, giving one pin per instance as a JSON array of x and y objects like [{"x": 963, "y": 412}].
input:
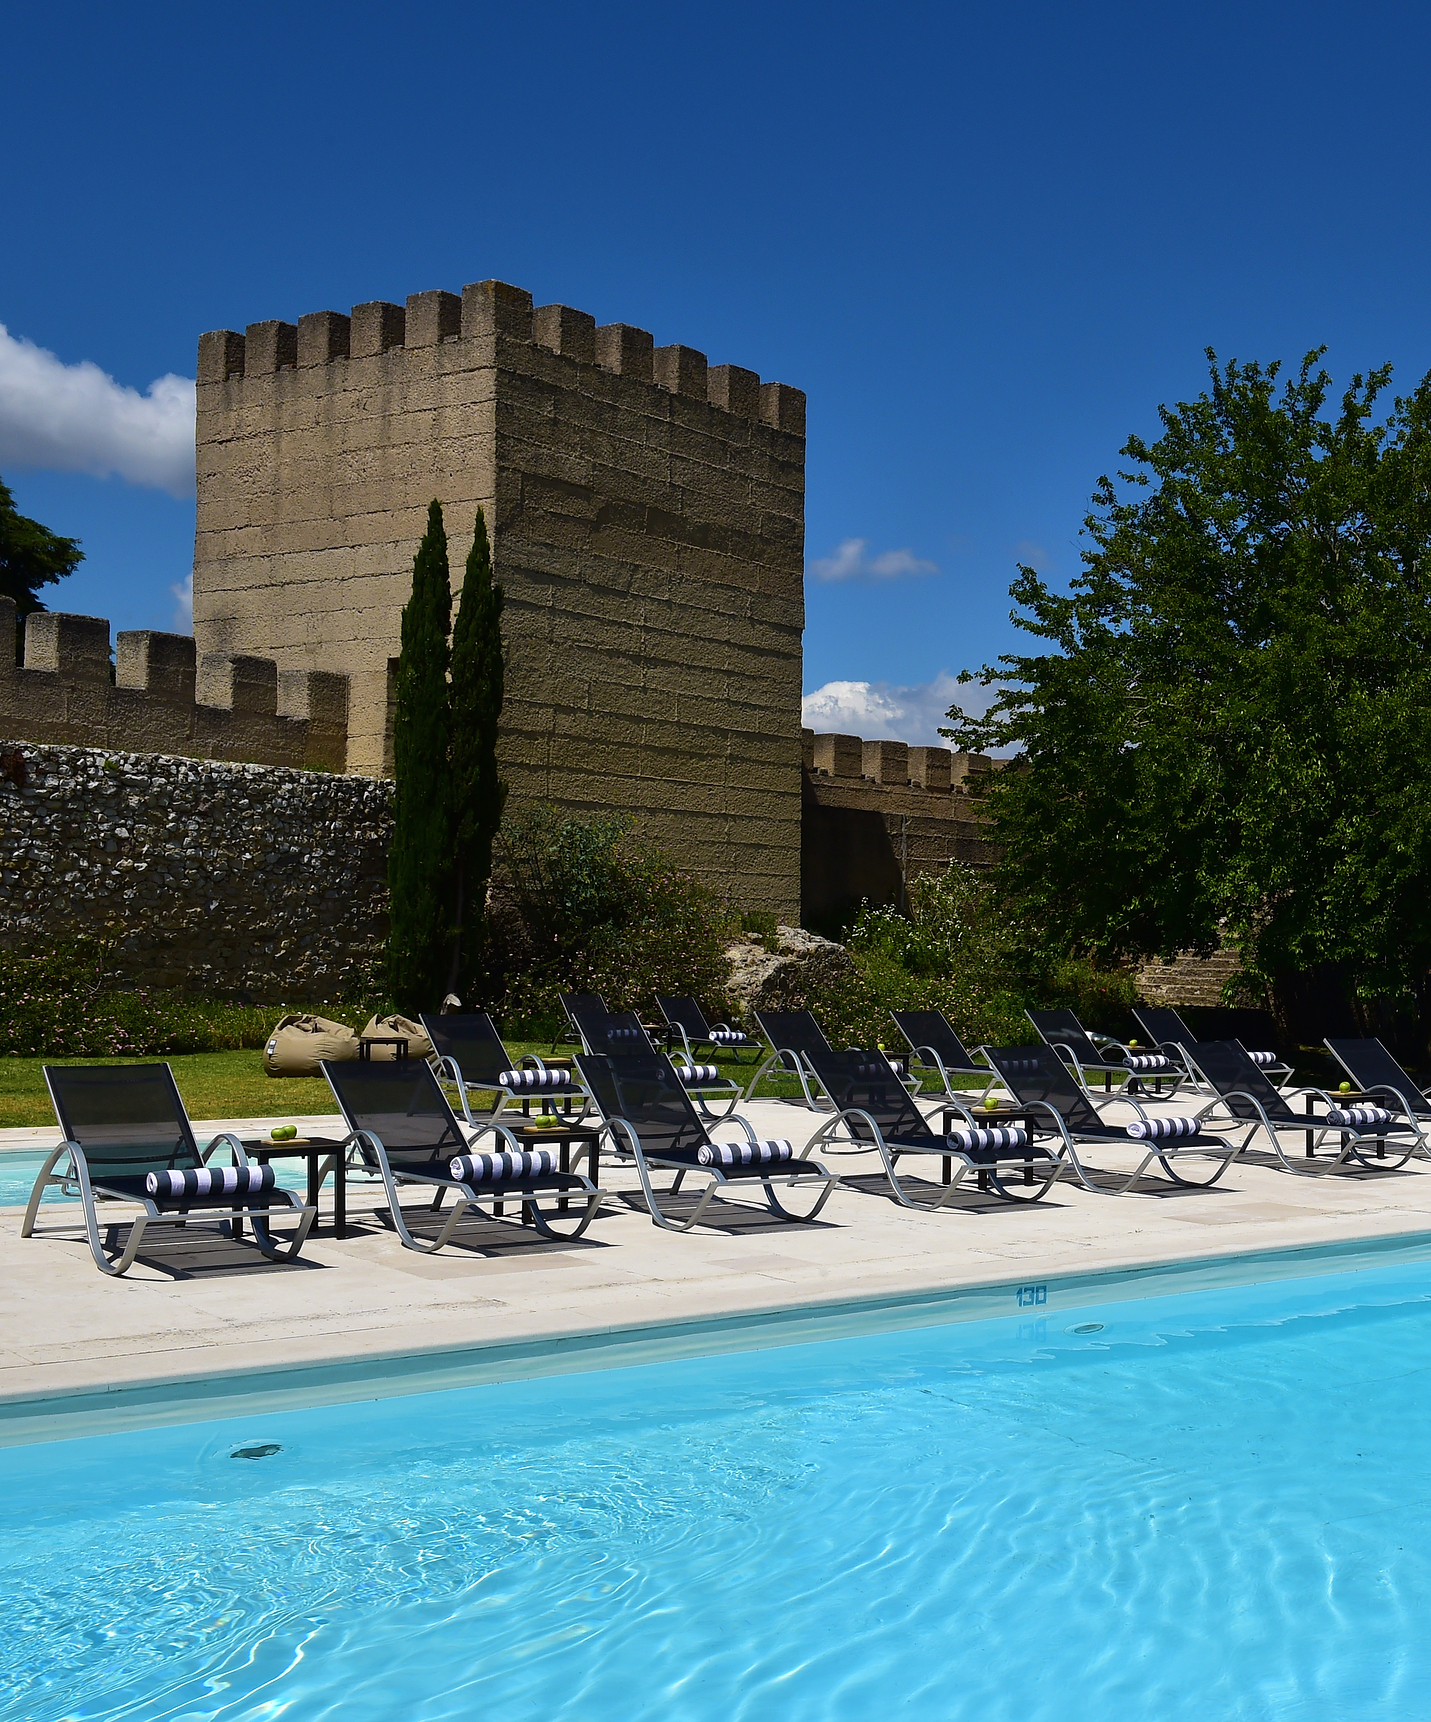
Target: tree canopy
[
  {"x": 31, "y": 556},
  {"x": 1228, "y": 733}
]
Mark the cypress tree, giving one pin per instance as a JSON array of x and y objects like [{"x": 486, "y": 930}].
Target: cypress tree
[
  {"x": 478, "y": 794},
  {"x": 420, "y": 860}
]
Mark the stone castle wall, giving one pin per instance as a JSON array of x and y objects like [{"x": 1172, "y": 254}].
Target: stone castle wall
[
  {"x": 647, "y": 518},
  {"x": 159, "y": 696},
  {"x": 231, "y": 880}
]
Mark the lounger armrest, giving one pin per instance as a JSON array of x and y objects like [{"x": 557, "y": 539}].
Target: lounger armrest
[
  {"x": 225, "y": 1138},
  {"x": 823, "y": 1137},
  {"x": 743, "y": 1122}
]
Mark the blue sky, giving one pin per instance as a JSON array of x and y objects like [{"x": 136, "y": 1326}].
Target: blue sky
[{"x": 987, "y": 241}]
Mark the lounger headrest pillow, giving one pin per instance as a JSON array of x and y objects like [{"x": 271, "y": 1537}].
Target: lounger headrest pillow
[
  {"x": 1148, "y": 1061},
  {"x": 744, "y": 1153},
  {"x": 1160, "y": 1129},
  {"x": 1358, "y": 1117},
  {"x": 1263, "y": 1057},
  {"x": 535, "y": 1079},
  {"x": 691, "y": 1074},
  {"x": 211, "y": 1183},
  {"x": 732, "y": 1035},
  {"x": 992, "y": 1136},
  {"x": 626, "y": 1034},
  {"x": 507, "y": 1168}
]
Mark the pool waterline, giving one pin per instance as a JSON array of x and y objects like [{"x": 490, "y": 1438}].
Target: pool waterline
[{"x": 37, "y": 1417}]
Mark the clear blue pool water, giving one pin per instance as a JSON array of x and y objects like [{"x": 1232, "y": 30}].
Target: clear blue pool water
[{"x": 1217, "y": 1506}]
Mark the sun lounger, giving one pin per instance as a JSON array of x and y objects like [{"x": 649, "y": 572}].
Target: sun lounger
[
  {"x": 1067, "y": 1036},
  {"x": 402, "y": 1128},
  {"x": 127, "y": 1138},
  {"x": 1169, "y": 1033},
  {"x": 792, "y": 1035},
  {"x": 687, "y": 1020},
  {"x": 1039, "y": 1080},
  {"x": 1372, "y": 1068},
  {"x": 933, "y": 1041},
  {"x": 875, "y": 1112},
  {"x": 651, "y": 1123},
  {"x": 1247, "y": 1096},
  {"x": 619, "y": 1032},
  {"x": 471, "y": 1057}
]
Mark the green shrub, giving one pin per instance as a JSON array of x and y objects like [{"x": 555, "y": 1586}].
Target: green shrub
[{"x": 600, "y": 910}]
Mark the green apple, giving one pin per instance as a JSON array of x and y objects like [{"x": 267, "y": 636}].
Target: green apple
[
  {"x": 1345, "y": 1088},
  {"x": 547, "y": 1121},
  {"x": 990, "y": 1104},
  {"x": 283, "y": 1132},
  {"x": 1132, "y": 1045}
]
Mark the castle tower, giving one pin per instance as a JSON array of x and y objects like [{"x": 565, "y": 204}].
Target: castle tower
[{"x": 647, "y": 522}]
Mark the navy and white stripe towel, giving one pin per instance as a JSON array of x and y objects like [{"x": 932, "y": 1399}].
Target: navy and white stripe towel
[
  {"x": 213, "y": 1182},
  {"x": 507, "y": 1168},
  {"x": 691, "y": 1074},
  {"x": 1358, "y": 1117},
  {"x": 534, "y": 1079},
  {"x": 1147, "y": 1061},
  {"x": 991, "y": 1136},
  {"x": 1160, "y": 1129},
  {"x": 729, "y": 1036},
  {"x": 745, "y": 1153},
  {"x": 1263, "y": 1057}
]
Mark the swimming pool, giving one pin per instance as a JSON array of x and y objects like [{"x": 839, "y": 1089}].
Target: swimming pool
[{"x": 1202, "y": 1505}]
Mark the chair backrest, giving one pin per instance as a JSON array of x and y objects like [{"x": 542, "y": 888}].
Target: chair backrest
[
  {"x": 1062, "y": 1028},
  {"x": 792, "y": 1030},
  {"x": 931, "y": 1028},
  {"x": 614, "y": 1031},
  {"x": 643, "y": 1088},
  {"x": 1227, "y": 1067},
  {"x": 1037, "y": 1073},
  {"x": 402, "y": 1105},
  {"x": 472, "y": 1042},
  {"x": 1163, "y": 1026},
  {"x": 128, "y": 1118},
  {"x": 685, "y": 1013},
  {"x": 1370, "y": 1065},
  {"x": 575, "y": 1004},
  {"x": 868, "y": 1082}
]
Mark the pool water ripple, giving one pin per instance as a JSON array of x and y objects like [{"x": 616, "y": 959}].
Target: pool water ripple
[{"x": 1212, "y": 1508}]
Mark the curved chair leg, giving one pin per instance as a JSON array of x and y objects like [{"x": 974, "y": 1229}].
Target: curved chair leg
[
  {"x": 544, "y": 1224},
  {"x": 828, "y": 1184},
  {"x": 264, "y": 1238}
]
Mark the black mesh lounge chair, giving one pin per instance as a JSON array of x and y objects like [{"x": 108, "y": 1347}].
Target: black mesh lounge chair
[
  {"x": 1170, "y": 1034},
  {"x": 793, "y": 1035},
  {"x": 403, "y": 1129},
  {"x": 1067, "y": 1036},
  {"x": 875, "y": 1111},
  {"x": 128, "y": 1139},
  {"x": 651, "y": 1122},
  {"x": 618, "y": 1032},
  {"x": 1245, "y": 1095},
  {"x": 1038, "y": 1079},
  {"x": 686, "y": 1022},
  {"x": 933, "y": 1041},
  {"x": 1372, "y": 1068},
  {"x": 470, "y": 1055}
]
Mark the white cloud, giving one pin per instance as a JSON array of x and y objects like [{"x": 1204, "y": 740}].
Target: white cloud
[
  {"x": 885, "y": 711},
  {"x": 1033, "y": 555},
  {"x": 183, "y": 591},
  {"x": 76, "y": 418},
  {"x": 850, "y": 563}
]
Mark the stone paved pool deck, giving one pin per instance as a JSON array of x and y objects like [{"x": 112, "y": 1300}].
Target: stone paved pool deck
[{"x": 71, "y": 1336}]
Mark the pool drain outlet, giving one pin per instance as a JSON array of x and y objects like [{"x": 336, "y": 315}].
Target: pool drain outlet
[
  {"x": 259, "y": 1450},
  {"x": 1086, "y": 1327}
]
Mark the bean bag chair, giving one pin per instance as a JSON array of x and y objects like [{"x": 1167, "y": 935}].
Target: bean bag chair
[
  {"x": 418, "y": 1045},
  {"x": 296, "y": 1045}
]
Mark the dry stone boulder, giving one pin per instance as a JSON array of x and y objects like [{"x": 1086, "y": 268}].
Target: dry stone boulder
[{"x": 790, "y": 977}]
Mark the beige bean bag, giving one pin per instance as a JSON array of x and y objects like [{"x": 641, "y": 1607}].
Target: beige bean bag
[
  {"x": 296, "y": 1045},
  {"x": 418, "y": 1045}
]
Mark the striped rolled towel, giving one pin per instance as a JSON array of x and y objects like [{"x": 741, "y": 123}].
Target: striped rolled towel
[
  {"x": 744, "y": 1153},
  {"x": 211, "y": 1183},
  {"x": 723, "y": 1036},
  {"x": 992, "y": 1136},
  {"x": 1263, "y": 1057},
  {"x": 1147, "y": 1061},
  {"x": 1159, "y": 1129},
  {"x": 507, "y": 1168},
  {"x": 534, "y": 1079},
  {"x": 1358, "y": 1117},
  {"x": 874, "y": 1073},
  {"x": 691, "y": 1074}
]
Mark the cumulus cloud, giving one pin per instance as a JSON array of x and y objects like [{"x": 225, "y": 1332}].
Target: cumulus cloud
[
  {"x": 886, "y": 711},
  {"x": 183, "y": 591},
  {"x": 850, "y": 562},
  {"x": 76, "y": 418}
]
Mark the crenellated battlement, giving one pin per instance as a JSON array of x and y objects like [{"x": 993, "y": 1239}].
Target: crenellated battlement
[
  {"x": 164, "y": 697},
  {"x": 476, "y": 317}
]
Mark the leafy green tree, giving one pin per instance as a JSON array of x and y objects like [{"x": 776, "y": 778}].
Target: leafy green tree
[
  {"x": 31, "y": 556},
  {"x": 478, "y": 793},
  {"x": 420, "y": 859},
  {"x": 1229, "y": 733}
]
